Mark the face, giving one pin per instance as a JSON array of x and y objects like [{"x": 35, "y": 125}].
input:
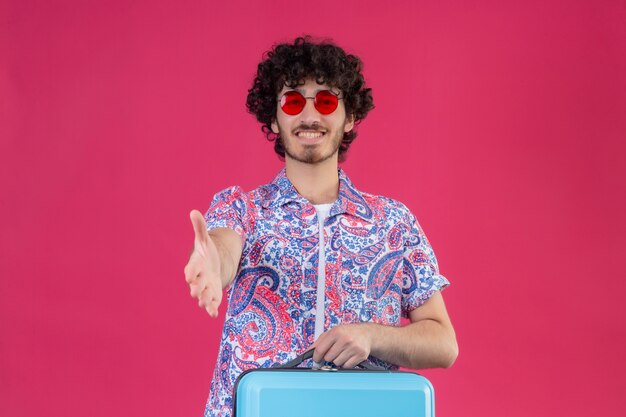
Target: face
[{"x": 309, "y": 136}]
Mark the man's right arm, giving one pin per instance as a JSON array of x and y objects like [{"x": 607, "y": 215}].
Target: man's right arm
[{"x": 213, "y": 263}]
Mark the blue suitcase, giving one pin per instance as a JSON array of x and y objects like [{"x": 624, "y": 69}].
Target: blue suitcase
[{"x": 288, "y": 391}]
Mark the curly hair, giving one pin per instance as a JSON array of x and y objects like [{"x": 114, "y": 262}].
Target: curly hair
[{"x": 290, "y": 65}]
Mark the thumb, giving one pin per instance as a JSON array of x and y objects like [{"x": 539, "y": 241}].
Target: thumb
[{"x": 199, "y": 226}]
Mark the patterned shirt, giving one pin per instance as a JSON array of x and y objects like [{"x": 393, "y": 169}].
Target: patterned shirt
[{"x": 379, "y": 267}]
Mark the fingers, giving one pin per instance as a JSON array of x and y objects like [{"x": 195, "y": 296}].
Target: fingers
[
  {"x": 210, "y": 301},
  {"x": 321, "y": 346},
  {"x": 195, "y": 271},
  {"x": 199, "y": 226},
  {"x": 192, "y": 269},
  {"x": 344, "y": 345},
  {"x": 349, "y": 359},
  {"x": 330, "y": 350},
  {"x": 328, "y": 346},
  {"x": 334, "y": 353},
  {"x": 212, "y": 307},
  {"x": 196, "y": 288},
  {"x": 195, "y": 277},
  {"x": 209, "y": 296}
]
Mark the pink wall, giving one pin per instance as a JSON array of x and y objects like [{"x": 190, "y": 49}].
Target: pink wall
[{"x": 500, "y": 124}]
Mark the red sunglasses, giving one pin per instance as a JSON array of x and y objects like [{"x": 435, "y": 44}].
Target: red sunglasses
[{"x": 325, "y": 102}]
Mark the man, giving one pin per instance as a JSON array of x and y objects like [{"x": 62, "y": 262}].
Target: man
[{"x": 309, "y": 261}]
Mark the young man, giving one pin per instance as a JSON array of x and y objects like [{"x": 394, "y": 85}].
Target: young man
[{"x": 309, "y": 261}]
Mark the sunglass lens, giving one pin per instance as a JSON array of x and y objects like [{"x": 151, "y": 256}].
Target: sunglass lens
[
  {"x": 326, "y": 102},
  {"x": 292, "y": 102}
]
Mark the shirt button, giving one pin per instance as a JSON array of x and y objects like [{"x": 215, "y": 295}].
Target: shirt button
[{"x": 308, "y": 265}]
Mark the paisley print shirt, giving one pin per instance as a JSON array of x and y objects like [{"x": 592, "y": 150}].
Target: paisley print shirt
[{"x": 379, "y": 267}]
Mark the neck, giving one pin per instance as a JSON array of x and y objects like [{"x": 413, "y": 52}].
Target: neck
[{"x": 318, "y": 183}]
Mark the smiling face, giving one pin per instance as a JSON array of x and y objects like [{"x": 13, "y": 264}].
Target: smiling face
[{"x": 309, "y": 136}]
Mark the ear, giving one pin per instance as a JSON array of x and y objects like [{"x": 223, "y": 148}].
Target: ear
[
  {"x": 349, "y": 124},
  {"x": 275, "y": 127}
]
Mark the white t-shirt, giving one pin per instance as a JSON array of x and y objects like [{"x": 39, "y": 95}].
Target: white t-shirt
[{"x": 322, "y": 213}]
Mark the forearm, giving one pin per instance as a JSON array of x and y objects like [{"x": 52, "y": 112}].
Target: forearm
[
  {"x": 428, "y": 342},
  {"x": 423, "y": 344},
  {"x": 229, "y": 261}
]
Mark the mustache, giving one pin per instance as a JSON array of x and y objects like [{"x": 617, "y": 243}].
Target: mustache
[{"x": 314, "y": 126}]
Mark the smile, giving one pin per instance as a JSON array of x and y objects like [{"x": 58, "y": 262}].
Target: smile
[{"x": 309, "y": 134}]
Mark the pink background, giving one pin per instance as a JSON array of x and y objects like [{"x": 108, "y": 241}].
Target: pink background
[{"x": 500, "y": 124}]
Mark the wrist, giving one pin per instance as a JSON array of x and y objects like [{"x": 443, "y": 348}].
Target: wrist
[{"x": 371, "y": 334}]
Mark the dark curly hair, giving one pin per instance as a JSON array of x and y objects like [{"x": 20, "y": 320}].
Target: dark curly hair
[{"x": 291, "y": 65}]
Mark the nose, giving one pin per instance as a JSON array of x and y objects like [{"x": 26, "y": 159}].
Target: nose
[{"x": 309, "y": 114}]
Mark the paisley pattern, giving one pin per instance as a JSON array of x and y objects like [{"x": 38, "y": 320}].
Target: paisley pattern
[{"x": 379, "y": 267}]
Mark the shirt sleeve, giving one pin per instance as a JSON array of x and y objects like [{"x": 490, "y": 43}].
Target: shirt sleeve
[
  {"x": 420, "y": 275},
  {"x": 229, "y": 209}
]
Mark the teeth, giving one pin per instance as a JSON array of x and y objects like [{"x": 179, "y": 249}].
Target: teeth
[{"x": 310, "y": 135}]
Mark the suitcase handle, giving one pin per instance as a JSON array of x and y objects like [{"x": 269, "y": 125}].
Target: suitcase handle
[{"x": 309, "y": 354}]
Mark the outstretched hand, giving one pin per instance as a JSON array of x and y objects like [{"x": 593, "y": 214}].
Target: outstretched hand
[{"x": 202, "y": 272}]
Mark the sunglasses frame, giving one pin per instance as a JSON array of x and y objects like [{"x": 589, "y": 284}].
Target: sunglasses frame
[{"x": 315, "y": 103}]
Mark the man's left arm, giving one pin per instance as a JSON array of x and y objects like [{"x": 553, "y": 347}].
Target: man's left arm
[{"x": 428, "y": 341}]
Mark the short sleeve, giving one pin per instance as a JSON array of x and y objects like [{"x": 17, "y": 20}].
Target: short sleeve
[
  {"x": 229, "y": 209},
  {"x": 420, "y": 274}
]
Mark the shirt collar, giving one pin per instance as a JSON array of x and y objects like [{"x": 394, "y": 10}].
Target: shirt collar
[{"x": 281, "y": 191}]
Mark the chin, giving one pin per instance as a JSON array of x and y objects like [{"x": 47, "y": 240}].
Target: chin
[
  {"x": 310, "y": 153},
  {"x": 309, "y": 157}
]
